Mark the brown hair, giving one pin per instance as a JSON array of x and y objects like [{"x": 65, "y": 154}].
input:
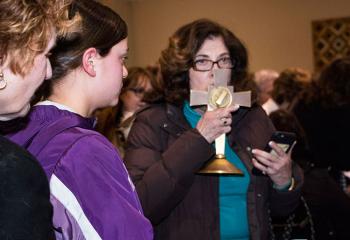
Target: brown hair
[
  {"x": 133, "y": 78},
  {"x": 332, "y": 88},
  {"x": 177, "y": 58},
  {"x": 26, "y": 27},
  {"x": 131, "y": 81},
  {"x": 290, "y": 83},
  {"x": 101, "y": 28}
]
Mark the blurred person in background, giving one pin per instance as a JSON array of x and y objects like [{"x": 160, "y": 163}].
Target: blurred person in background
[
  {"x": 264, "y": 80},
  {"x": 323, "y": 112},
  {"x": 115, "y": 122},
  {"x": 286, "y": 88}
]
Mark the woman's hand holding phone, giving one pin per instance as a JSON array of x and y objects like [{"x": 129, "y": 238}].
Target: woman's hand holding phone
[{"x": 275, "y": 161}]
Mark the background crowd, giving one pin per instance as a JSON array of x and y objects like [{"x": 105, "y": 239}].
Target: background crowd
[{"x": 102, "y": 151}]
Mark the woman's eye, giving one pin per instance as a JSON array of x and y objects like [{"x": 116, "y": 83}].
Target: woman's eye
[
  {"x": 124, "y": 59},
  {"x": 202, "y": 61},
  {"x": 226, "y": 60}
]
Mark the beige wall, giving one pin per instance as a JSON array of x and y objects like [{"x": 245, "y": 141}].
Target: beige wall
[
  {"x": 122, "y": 7},
  {"x": 277, "y": 33}
]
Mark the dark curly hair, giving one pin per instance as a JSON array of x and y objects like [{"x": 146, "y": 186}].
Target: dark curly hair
[
  {"x": 332, "y": 88},
  {"x": 289, "y": 84},
  {"x": 177, "y": 58}
]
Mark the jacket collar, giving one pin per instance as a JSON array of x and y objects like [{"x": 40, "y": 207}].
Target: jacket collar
[{"x": 176, "y": 115}]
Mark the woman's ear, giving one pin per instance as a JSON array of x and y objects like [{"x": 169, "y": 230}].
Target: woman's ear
[{"x": 88, "y": 61}]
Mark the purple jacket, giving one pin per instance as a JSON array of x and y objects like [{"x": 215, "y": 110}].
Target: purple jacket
[{"x": 91, "y": 192}]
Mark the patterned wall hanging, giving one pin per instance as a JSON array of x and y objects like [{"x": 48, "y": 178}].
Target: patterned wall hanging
[{"x": 331, "y": 40}]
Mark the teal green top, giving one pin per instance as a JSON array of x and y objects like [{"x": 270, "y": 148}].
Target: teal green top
[{"x": 232, "y": 192}]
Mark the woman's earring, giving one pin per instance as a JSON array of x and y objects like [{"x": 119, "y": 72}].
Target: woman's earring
[
  {"x": 3, "y": 82},
  {"x": 92, "y": 64}
]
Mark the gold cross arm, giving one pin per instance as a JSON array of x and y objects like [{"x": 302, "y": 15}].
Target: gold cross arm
[{"x": 220, "y": 95}]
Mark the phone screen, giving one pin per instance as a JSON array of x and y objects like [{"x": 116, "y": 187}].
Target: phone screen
[
  {"x": 284, "y": 146},
  {"x": 284, "y": 140}
]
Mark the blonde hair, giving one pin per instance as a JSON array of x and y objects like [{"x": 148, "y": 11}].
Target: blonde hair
[{"x": 26, "y": 27}]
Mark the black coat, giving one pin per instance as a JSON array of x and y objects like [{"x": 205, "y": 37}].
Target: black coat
[
  {"x": 26, "y": 211},
  {"x": 327, "y": 131}
]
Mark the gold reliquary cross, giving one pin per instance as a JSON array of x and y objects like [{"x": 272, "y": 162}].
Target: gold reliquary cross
[{"x": 220, "y": 95}]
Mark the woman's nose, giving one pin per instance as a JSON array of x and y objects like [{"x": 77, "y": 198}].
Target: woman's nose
[{"x": 125, "y": 71}]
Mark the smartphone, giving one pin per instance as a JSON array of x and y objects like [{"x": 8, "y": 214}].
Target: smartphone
[{"x": 284, "y": 140}]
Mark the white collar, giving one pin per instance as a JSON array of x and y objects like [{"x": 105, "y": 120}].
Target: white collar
[
  {"x": 270, "y": 106},
  {"x": 58, "y": 105},
  {"x": 126, "y": 115}
]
